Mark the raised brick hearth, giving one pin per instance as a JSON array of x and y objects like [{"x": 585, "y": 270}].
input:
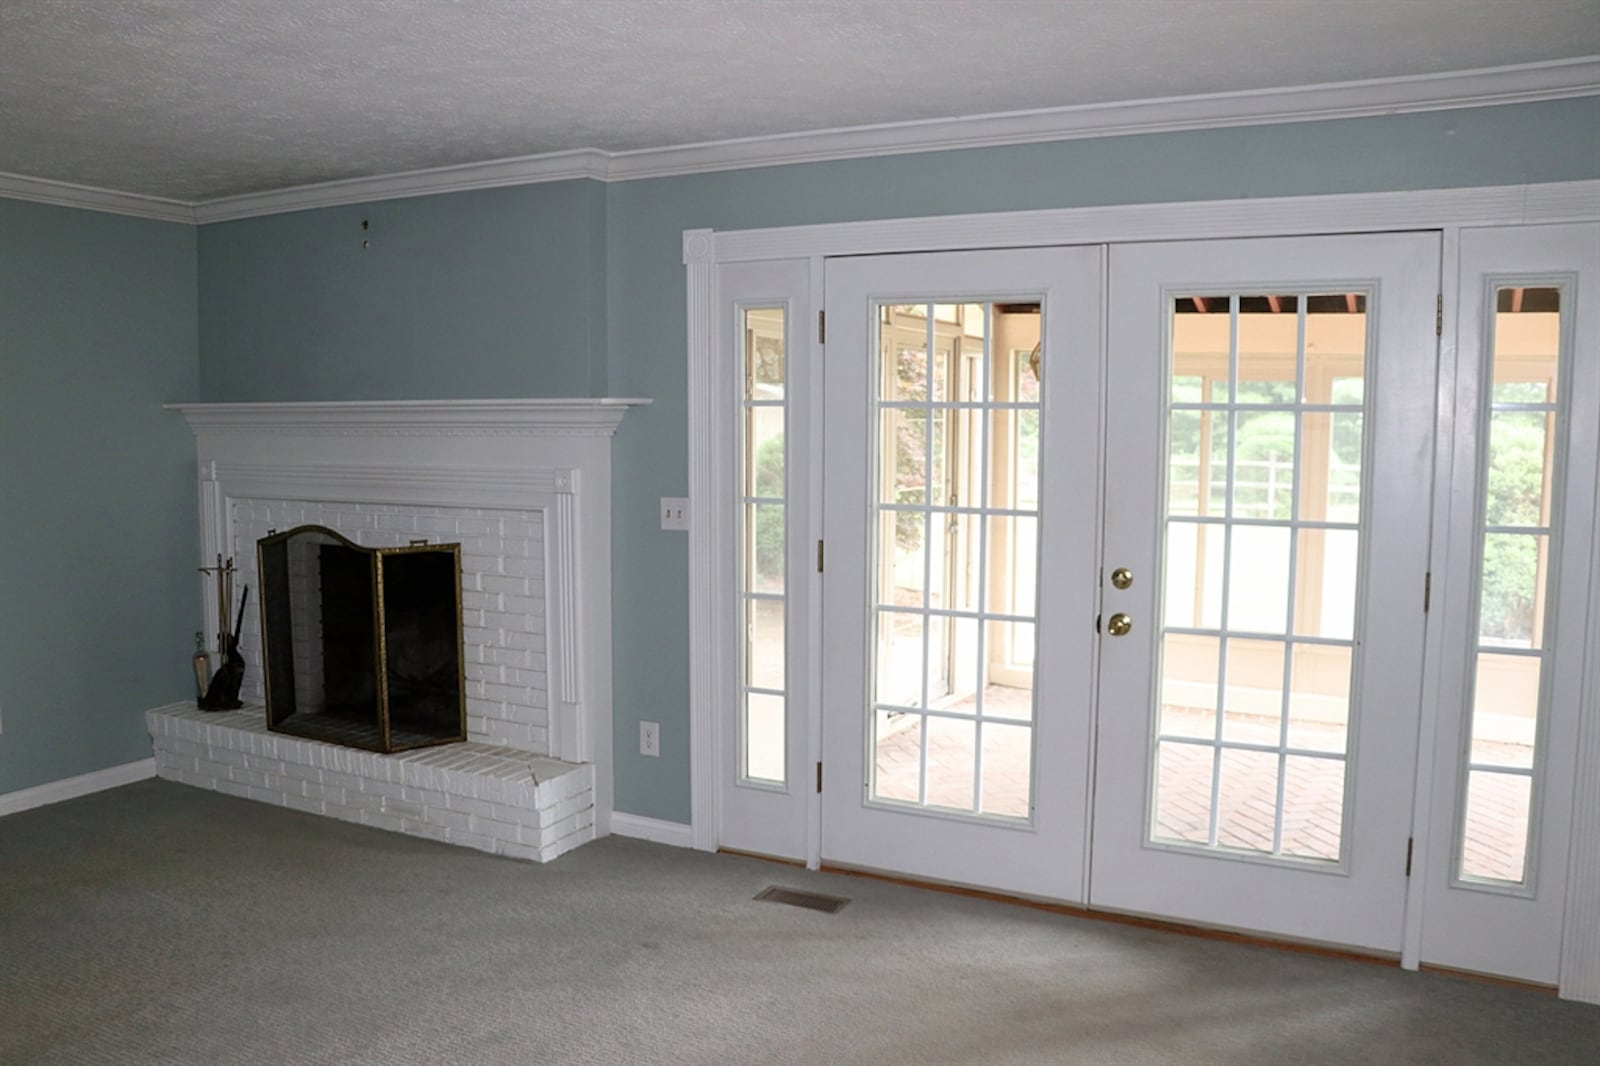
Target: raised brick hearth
[{"x": 487, "y": 796}]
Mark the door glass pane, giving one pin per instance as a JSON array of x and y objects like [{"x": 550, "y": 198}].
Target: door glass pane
[
  {"x": 1252, "y": 696},
  {"x": 1258, "y": 583},
  {"x": 1268, "y": 342},
  {"x": 1319, "y": 697},
  {"x": 1189, "y": 685},
  {"x": 1183, "y": 792},
  {"x": 762, "y": 476},
  {"x": 1007, "y": 773},
  {"x": 1262, "y": 570},
  {"x": 1194, "y": 574},
  {"x": 897, "y": 766},
  {"x": 1313, "y": 806},
  {"x": 955, "y": 563},
  {"x": 1494, "y": 837},
  {"x": 952, "y": 762},
  {"x": 1522, "y": 428},
  {"x": 1505, "y": 709}
]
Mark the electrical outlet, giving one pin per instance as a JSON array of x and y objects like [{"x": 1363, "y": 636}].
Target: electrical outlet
[
  {"x": 674, "y": 512},
  {"x": 649, "y": 738}
]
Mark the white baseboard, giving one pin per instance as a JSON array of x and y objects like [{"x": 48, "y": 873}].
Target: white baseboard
[
  {"x": 653, "y": 829},
  {"x": 73, "y": 787}
]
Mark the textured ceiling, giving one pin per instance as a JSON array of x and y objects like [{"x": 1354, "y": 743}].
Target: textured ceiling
[{"x": 195, "y": 99}]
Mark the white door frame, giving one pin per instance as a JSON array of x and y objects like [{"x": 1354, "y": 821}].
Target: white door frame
[{"x": 711, "y": 441}]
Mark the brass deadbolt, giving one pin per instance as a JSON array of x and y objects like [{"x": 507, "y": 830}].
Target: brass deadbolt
[{"x": 1122, "y": 577}]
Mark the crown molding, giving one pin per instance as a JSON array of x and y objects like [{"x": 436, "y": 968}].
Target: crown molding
[
  {"x": 497, "y": 173},
  {"x": 1524, "y": 83},
  {"x": 89, "y": 198},
  {"x": 575, "y": 417}
]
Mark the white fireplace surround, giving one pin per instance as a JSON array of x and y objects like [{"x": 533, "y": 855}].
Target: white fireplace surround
[{"x": 545, "y": 458}]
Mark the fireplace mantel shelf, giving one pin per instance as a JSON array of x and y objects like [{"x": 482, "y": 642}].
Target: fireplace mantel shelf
[{"x": 563, "y": 417}]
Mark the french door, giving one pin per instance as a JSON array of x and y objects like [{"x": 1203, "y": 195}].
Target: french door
[
  {"x": 1126, "y": 597},
  {"x": 1266, "y": 544},
  {"x": 960, "y": 465}
]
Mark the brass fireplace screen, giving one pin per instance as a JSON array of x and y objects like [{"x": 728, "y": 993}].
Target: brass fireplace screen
[{"x": 362, "y": 646}]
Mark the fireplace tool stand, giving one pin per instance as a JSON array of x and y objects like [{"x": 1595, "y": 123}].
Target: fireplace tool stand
[{"x": 222, "y": 694}]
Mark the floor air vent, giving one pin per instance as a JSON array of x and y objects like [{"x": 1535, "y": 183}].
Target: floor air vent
[{"x": 811, "y": 901}]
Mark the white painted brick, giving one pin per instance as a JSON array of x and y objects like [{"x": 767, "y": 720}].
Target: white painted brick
[
  {"x": 264, "y": 795},
  {"x": 337, "y": 779},
  {"x": 430, "y": 524},
  {"x": 511, "y": 586},
  {"x": 521, "y": 566},
  {"x": 472, "y": 840},
  {"x": 565, "y": 809},
  {"x": 492, "y": 828},
  {"x": 389, "y": 790},
  {"x": 425, "y": 830},
  {"x": 517, "y": 851},
  {"x": 402, "y": 808},
  {"x": 360, "y": 801},
  {"x": 381, "y": 820},
  {"x": 470, "y": 805},
  {"x": 507, "y": 621},
  {"x": 508, "y": 693},
  {"x": 304, "y": 803}
]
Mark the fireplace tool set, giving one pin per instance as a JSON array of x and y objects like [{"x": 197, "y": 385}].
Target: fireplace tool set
[{"x": 222, "y": 692}]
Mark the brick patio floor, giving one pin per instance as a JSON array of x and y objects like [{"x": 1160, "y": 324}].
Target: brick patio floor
[{"x": 1313, "y": 792}]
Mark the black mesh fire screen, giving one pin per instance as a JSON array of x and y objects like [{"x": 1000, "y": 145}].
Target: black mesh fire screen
[{"x": 362, "y": 646}]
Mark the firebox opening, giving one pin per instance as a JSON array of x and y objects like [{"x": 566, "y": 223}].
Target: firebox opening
[{"x": 362, "y": 646}]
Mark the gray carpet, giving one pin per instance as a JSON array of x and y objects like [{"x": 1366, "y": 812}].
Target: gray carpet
[{"x": 158, "y": 923}]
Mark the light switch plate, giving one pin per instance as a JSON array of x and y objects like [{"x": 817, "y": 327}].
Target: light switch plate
[{"x": 674, "y": 512}]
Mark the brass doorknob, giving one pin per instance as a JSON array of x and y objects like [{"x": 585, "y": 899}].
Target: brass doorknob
[
  {"x": 1119, "y": 624},
  {"x": 1122, "y": 577}
]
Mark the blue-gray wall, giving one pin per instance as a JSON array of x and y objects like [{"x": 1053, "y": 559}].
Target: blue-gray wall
[
  {"x": 98, "y": 538},
  {"x": 492, "y": 293},
  {"x": 576, "y": 288}
]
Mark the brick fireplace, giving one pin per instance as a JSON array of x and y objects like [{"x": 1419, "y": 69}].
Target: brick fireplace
[{"x": 524, "y": 487}]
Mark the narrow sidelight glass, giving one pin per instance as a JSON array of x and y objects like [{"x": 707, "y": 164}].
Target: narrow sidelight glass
[
  {"x": 1522, "y": 433},
  {"x": 763, "y": 602}
]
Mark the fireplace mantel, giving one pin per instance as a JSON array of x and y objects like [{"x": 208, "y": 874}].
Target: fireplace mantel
[
  {"x": 548, "y": 457},
  {"x": 564, "y": 417}
]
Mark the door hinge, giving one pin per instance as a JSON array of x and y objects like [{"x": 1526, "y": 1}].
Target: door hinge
[
  {"x": 1409, "y": 842},
  {"x": 819, "y": 556},
  {"x": 1438, "y": 316},
  {"x": 1427, "y": 591},
  {"x": 822, "y": 327},
  {"x": 819, "y": 775}
]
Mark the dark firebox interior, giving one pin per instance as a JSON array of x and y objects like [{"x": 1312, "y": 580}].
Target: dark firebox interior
[{"x": 325, "y": 628}]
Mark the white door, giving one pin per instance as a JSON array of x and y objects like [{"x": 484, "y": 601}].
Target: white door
[
  {"x": 960, "y": 458},
  {"x": 1513, "y": 597},
  {"x": 764, "y": 319},
  {"x": 1270, "y": 414}
]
